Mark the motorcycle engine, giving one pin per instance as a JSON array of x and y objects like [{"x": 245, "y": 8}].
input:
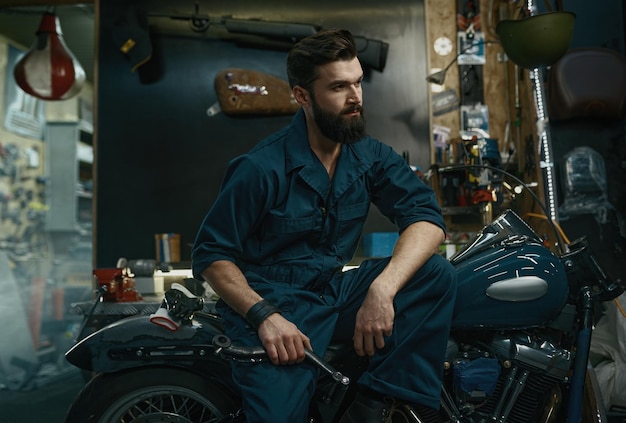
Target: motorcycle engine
[{"x": 512, "y": 377}]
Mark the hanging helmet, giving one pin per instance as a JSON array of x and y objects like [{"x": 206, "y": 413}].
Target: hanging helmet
[{"x": 538, "y": 40}]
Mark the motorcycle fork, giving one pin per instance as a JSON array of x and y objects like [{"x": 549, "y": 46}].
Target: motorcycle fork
[{"x": 583, "y": 344}]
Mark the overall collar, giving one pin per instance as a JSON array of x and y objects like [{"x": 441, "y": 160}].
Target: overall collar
[{"x": 354, "y": 160}]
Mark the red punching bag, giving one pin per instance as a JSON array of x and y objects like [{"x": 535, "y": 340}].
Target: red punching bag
[{"x": 49, "y": 70}]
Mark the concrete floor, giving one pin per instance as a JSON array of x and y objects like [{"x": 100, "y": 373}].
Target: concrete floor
[{"x": 46, "y": 400}]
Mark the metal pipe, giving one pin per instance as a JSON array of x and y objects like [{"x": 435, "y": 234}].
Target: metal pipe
[
  {"x": 521, "y": 384},
  {"x": 505, "y": 392},
  {"x": 583, "y": 344}
]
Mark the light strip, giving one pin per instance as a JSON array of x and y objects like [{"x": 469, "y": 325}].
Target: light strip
[{"x": 546, "y": 162}]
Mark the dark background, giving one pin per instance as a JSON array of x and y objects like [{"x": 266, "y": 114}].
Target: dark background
[{"x": 160, "y": 158}]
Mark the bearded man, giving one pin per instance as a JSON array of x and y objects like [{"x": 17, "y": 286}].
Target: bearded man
[{"x": 289, "y": 216}]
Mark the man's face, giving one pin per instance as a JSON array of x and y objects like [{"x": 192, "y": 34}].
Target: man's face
[{"x": 336, "y": 101}]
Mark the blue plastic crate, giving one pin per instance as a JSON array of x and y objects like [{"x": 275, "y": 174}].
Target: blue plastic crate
[{"x": 379, "y": 244}]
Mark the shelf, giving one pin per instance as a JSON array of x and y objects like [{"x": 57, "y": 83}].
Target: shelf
[
  {"x": 84, "y": 194},
  {"x": 69, "y": 164},
  {"x": 84, "y": 153}
]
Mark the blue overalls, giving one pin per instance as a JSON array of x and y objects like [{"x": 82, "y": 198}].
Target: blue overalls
[{"x": 291, "y": 230}]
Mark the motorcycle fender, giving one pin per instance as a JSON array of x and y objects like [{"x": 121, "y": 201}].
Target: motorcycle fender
[{"x": 135, "y": 341}]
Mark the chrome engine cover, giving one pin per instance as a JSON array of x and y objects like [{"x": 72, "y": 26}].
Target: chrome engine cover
[
  {"x": 505, "y": 377},
  {"x": 533, "y": 353}
]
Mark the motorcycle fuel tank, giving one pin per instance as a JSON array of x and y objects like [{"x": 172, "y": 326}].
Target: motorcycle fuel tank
[{"x": 514, "y": 286}]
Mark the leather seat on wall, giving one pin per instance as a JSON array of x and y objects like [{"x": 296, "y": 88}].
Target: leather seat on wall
[{"x": 588, "y": 83}]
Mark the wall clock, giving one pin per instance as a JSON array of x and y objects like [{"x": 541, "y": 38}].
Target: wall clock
[{"x": 443, "y": 46}]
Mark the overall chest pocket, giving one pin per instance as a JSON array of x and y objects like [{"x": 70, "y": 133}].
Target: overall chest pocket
[
  {"x": 350, "y": 221},
  {"x": 348, "y": 212},
  {"x": 287, "y": 238}
]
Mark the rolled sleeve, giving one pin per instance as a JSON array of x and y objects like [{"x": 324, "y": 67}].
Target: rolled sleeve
[
  {"x": 402, "y": 196},
  {"x": 232, "y": 219}
]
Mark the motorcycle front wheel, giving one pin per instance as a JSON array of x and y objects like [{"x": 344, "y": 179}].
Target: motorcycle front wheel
[{"x": 151, "y": 395}]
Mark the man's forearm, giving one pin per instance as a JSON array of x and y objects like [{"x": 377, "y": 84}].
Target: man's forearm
[
  {"x": 231, "y": 285},
  {"x": 415, "y": 246}
]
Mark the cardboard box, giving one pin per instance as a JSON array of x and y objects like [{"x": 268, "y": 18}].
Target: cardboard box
[{"x": 147, "y": 285}]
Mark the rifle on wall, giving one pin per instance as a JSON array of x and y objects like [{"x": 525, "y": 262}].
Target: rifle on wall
[{"x": 372, "y": 53}]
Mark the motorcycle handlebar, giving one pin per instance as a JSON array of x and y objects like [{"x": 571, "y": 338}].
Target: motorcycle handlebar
[{"x": 224, "y": 347}]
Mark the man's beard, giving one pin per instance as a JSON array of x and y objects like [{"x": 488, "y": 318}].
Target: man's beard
[{"x": 338, "y": 128}]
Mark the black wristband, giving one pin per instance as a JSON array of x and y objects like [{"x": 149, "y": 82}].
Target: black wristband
[{"x": 259, "y": 312}]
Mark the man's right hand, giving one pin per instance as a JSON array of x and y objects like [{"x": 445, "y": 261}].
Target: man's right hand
[{"x": 282, "y": 340}]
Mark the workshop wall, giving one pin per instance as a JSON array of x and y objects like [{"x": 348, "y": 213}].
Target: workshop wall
[
  {"x": 23, "y": 202},
  {"x": 505, "y": 89},
  {"x": 507, "y": 93},
  {"x": 485, "y": 82},
  {"x": 160, "y": 157},
  {"x": 21, "y": 168},
  {"x": 491, "y": 84}
]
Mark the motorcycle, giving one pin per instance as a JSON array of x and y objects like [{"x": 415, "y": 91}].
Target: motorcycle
[{"x": 518, "y": 350}]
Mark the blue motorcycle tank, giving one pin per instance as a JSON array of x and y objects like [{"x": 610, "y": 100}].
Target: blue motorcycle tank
[{"x": 510, "y": 281}]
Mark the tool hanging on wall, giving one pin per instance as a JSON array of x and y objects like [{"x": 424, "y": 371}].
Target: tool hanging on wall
[
  {"x": 468, "y": 17},
  {"x": 471, "y": 44},
  {"x": 471, "y": 86},
  {"x": 132, "y": 37},
  {"x": 281, "y": 35}
]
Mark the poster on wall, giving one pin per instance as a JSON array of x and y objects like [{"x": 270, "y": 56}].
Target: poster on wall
[
  {"x": 24, "y": 114},
  {"x": 472, "y": 50}
]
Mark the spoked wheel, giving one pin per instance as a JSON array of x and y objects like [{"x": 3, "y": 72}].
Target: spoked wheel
[{"x": 151, "y": 395}]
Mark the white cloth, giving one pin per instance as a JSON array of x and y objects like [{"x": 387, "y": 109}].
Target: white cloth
[
  {"x": 162, "y": 318},
  {"x": 608, "y": 352}
]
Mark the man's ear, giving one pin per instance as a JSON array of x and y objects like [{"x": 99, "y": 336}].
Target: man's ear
[{"x": 301, "y": 95}]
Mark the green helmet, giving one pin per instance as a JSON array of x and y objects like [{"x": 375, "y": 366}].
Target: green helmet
[{"x": 538, "y": 40}]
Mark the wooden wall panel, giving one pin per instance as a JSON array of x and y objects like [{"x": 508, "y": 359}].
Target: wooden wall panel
[
  {"x": 498, "y": 73},
  {"x": 507, "y": 92},
  {"x": 441, "y": 22}
]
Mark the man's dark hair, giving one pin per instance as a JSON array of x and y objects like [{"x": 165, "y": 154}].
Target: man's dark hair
[{"x": 318, "y": 49}]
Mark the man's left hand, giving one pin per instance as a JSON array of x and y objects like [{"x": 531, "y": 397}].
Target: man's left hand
[{"x": 374, "y": 321}]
